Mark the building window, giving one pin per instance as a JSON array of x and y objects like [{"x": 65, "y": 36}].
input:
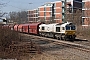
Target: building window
[
  {"x": 55, "y": 5},
  {"x": 44, "y": 18},
  {"x": 63, "y": 16},
  {"x": 50, "y": 13},
  {"x": 38, "y": 9},
  {"x": 63, "y": 3},
  {"x": 83, "y": 13},
  {"x": 48, "y": 4},
  {"x": 50, "y": 8},
  {"x": 83, "y": 3},
  {"x": 63, "y": 10},
  {"x": 55, "y": 11},
  {"x": 36, "y": 15},
  {"x": 44, "y": 13},
  {"x": 44, "y": 9},
  {"x": 79, "y": 0},
  {"x": 83, "y": 21}
]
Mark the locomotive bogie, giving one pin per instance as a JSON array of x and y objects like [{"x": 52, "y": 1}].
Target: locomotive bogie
[{"x": 47, "y": 34}]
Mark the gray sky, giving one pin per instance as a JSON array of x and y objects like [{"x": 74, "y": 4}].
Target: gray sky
[{"x": 20, "y": 5}]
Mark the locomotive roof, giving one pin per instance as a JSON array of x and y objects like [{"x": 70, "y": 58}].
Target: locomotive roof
[
  {"x": 60, "y": 23},
  {"x": 64, "y": 24}
]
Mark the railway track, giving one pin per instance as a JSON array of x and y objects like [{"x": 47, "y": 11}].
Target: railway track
[
  {"x": 65, "y": 43},
  {"x": 56, "y": 47}
]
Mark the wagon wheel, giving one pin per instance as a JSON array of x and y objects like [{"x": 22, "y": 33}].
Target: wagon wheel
[
  {"x": 40, "y": 34},
  {"x": 58, "y": 38}
]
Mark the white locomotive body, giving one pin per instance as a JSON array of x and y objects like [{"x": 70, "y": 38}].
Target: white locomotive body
[
  {"x": 58, "y": 30},
  {"x": 47, "y": 30}
]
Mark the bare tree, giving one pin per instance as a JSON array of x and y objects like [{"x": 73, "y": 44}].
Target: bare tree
[
  {"x": 2, "y": 13},
  {"x": 74, "y": 16},
  {"x": 18, "y": 17}
]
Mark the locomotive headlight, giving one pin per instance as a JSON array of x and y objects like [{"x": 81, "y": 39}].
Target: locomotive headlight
[
  {"x": 74, "y": 32},
  {"x": 65, "y": 33}
]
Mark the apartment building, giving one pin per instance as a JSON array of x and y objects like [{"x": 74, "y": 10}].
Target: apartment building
[
  {"x": 41, "y": 14},
  {"x": 30, "y": 15},
  {"x": 86, "y": 13},
  {"x": 46, "y": 12},
  {"x": 58, "y": 11},
  {"x": 33, "y": 15},
  {"x": 55, "y": 12},
  {"x": 72, "y": 12},
  {"x": 51, "y": 12}
]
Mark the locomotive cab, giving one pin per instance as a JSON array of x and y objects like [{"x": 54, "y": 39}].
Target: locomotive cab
[
  {"x": 70, "y": 29},
  {"x": 65, "y": 31}
]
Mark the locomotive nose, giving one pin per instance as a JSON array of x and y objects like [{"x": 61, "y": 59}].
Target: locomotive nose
[{"x": 71, "y": 32}]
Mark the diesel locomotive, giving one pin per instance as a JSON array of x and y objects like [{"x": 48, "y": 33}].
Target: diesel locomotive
[{"x": 62, "y": 31}]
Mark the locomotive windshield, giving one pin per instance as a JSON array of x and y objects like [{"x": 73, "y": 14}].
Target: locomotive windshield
[
  {"x": 69, "y": 27},
  {"x": 73, "y": 27},
  {"x": 57, "y": 29}
]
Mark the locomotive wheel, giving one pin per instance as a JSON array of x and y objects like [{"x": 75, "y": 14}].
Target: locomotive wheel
[
  {"x": 73, "y": 38},
  {"x": 63, "y": 37},
  {"x": 40, "y": 34},
  {"x": 58, "y": 38},
  {"x": 53, "y": 37}
]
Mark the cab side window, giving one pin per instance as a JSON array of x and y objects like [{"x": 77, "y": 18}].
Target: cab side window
[
  {"x": 57, "y": 29},
  {"x": 43, "y": 28},
  {"x": 63, "y": 28}
]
